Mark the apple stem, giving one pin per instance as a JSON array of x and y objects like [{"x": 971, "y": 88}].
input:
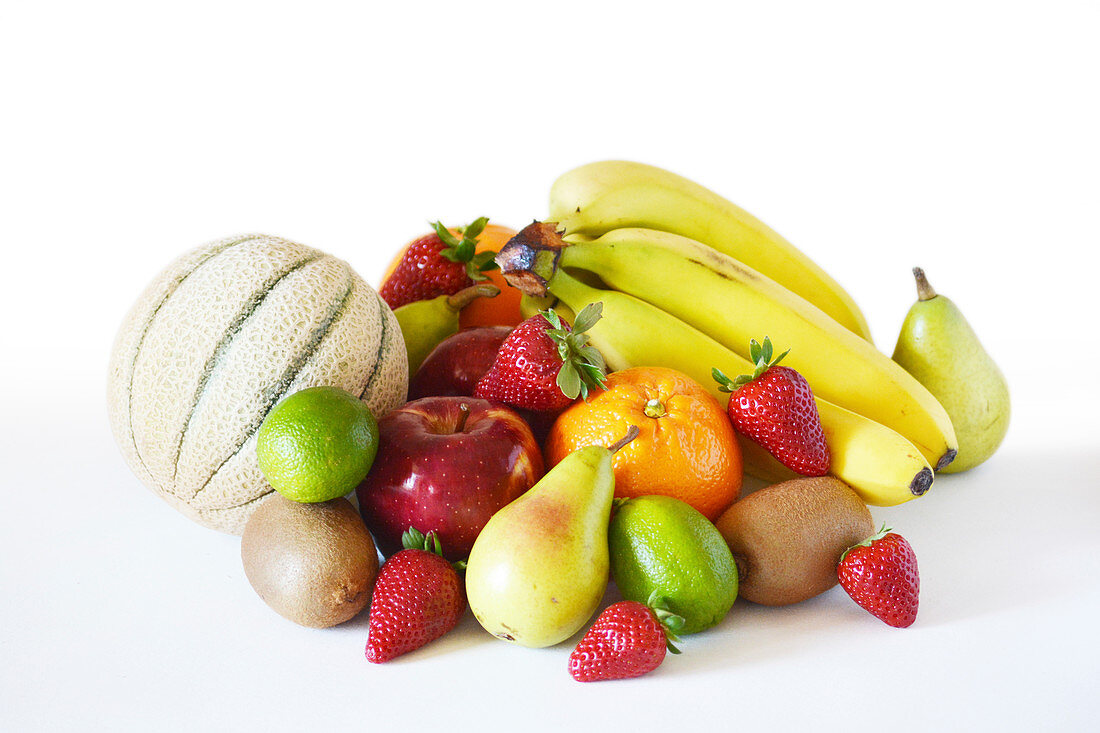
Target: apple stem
[
  {"x": 631, "y": 434},
  {"x": 465, "y": 410},
  {"x": 924, "y": 290}
]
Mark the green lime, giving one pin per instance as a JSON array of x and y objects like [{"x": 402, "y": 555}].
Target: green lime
[
  {"x": 662, "y": 544},
  {"x": 317, "y": 444}
]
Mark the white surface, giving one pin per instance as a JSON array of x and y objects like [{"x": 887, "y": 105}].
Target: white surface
[{"x": 960, "y": 137}]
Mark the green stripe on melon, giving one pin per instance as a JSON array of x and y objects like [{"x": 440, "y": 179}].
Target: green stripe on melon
[{"x": 216, "y": 340}]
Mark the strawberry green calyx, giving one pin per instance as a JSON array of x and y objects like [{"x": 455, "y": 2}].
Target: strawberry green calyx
[
  {"x": 882, "y": 532},
  {"x": 583, "y": 367},
  {"x": 761, "y": 357},
  {"x": 414, "y": 539},
  {"x": 670, "y": 622},
  {"x": 465, "y": 250}
]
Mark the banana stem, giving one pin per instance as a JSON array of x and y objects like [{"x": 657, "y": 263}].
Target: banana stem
[{"x": 530, "y": 258}]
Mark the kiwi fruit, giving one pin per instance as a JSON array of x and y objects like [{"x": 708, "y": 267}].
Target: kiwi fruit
[
  {"x": 314, "y": 564},
  {"x": 787, "y": 538}
]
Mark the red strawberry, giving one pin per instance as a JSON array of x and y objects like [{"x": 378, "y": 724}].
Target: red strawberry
[
  {"x": 880, "y": 574},
  {"x": 418, "y": 597},
  {"x": 628, "y": 639},
  {"x": 544, "y": 364},
  {"x": 775, "y": 408},
  {"x": 438, "y": 264}
]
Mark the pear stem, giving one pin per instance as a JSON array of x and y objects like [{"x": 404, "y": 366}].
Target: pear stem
[
  {"x": 924, "y": 290},
  {"x": 464, "y": 297},
  {"x": 631, "y": 434}
]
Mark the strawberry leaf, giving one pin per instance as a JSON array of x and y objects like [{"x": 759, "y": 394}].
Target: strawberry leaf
[
  {"x": 569, "y": 380},
  {"x": 583, "y": 366},
  {"x": 484, "y": 261},
  {"x": 444, "y": 234},
  {"x": 474, "y": 229},
  {"x": 591, "y": 375},
  {"x": 553, "y": 319},
  {"x": 587, "y": 318},
  {"x": 414, "y": 539},
  {"x": 761, "y": 357},
  {"x": 725, "y": 384},
  {"x": 882, "y": 532},
  {"x": 592, "y": 357},
  {"x": 672, "y": 623},
  {"x": 464, "y": 250}
]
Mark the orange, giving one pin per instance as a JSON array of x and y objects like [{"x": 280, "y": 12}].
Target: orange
[
  {"x": 685, "y": 448},
  {"x": 503, "y": 310}
]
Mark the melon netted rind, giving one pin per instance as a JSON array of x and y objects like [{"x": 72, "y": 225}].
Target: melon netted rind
[{"x": 216, "y": 340}]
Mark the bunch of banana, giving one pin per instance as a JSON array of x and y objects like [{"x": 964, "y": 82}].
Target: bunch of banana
[
  {"x": 881, "y": 466},
  {"x": 596, "y": 198},
  {"x": 671, "y": 300}
]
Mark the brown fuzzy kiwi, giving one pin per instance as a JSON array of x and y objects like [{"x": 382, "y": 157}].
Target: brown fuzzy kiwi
[
  {"x": 314, "y": 564},
  {"x": 788, "y": 538}
]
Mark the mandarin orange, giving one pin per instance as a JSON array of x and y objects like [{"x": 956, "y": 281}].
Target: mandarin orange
[{"x": 686, "y": 447}]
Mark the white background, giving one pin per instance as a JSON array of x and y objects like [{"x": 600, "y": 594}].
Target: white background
[{"x": 960, "y": 136}]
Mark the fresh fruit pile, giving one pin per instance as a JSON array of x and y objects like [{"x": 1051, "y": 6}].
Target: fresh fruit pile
[{"x": 584, "y": 397}]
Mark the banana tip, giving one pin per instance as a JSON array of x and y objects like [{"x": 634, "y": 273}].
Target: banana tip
[{"x": 921, "y": 482}]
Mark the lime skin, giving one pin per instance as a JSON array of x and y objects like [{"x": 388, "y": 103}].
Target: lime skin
[
  {"x": 662, "y": 544},
  {"x": 317, "y": 444}
]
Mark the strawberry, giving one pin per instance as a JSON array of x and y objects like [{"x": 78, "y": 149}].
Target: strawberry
[
  {"x": 438, "y": 264},
  {"x": 418, "y": 597},
  {"x": 544, "y": 364},
  {"x": 627, "y": 640},
  {"x": 880, "y": 574},
  {"x": 775, "y": 407}
]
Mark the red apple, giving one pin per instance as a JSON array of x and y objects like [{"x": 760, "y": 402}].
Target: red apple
[
  {"x": 446, "y": 464},
  {"x": 458, "y": 362}
]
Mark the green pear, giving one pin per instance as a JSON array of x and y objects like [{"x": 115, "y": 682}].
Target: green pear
[
  {"x": 940, "y": 349},
  {"x": 425, "y": 323},
  {"x": 539, "y": 568}
]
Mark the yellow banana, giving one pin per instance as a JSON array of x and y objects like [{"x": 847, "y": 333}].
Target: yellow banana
[
  {"x": 598, "y": 197},
  {"x": 881, "y": 466},
  {"x": 530, "y": 305},
  {"x": 732, "y": 304}
]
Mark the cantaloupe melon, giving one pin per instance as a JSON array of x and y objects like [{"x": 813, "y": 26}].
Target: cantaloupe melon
[{"x": 216, "y": 340}]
